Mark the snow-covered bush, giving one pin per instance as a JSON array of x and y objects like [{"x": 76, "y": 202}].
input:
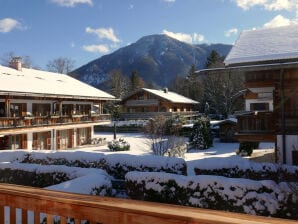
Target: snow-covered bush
[
  {"x": 237, "y": 167},
  {"x": 246, "y": 148},
  {"x": 117, "y": 165},
  {"x": 221, "y": 193},
  {"x": 97, "y": 141},
  {"x": 119, "y": 145},
  {"x": 178, "y": 150},
  {"x": 201, "y": 137},
  {"x": 61, "y": 178},
  {"x": 31, "y": 178}
]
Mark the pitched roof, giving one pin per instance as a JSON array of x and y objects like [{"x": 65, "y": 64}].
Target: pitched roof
[
  {"x": 36, "y": 82},
  {"x": 170, "y": 96},
  {"x": 264, "y": 45}
]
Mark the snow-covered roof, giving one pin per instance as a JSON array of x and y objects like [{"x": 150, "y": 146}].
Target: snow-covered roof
[
  {"x": 37, "y": 82},
  {"x": 170, "y": 96},
  {"x": 270, "y": 44}
]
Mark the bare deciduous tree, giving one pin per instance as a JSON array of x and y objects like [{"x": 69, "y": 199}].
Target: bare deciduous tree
[
  {"x": 61, "y": 65},
  {"x": 118, "y": 83},
  {"x": 164, "y": 142},
  {"x": 26, "y": 60},
  {"x": 223, "y": 92}
]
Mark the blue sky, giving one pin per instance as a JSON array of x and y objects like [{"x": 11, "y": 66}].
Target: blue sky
[{"x": 84, "y": 30}]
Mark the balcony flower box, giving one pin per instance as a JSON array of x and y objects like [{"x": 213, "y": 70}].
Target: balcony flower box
[
  {"x": 76, "y": 115},
  {"x": 53, "y": 116},
  {"x": 28, "y": 117}
]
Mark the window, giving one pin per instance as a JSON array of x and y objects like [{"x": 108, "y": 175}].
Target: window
[
  {"x": 2, "y": 109},
  {"x": 17, "y": 109},
  {"x": 67, "y": 109},
  {"x": 41, "y": 109},
  {"x": 83, "y": 108},
  {"x": 259, "y": 106}
]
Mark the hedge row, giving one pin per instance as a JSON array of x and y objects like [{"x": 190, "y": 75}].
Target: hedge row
[
  {"x": 236, "y": 195},
  {"x": 116, "y": 165},
  {"x": 33, "y": 179},
  {"x": 247, "y": 169},
  {"x": 96, "y": 182}
]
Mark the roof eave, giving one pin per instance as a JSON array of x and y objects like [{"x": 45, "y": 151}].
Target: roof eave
[
  {"x": 55, "y": 96},
  {"x": 253, "y": 66}
]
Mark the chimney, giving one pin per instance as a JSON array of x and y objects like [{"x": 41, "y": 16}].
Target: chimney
[
  {"x": 165, "y": 90},
  {"x": 16, "y": 63}
]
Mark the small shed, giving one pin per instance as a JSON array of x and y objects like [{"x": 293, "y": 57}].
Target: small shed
[{"x": 226, "y": 129}]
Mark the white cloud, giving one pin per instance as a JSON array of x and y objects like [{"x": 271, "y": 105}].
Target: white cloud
[
  {"x": 198, "y": 37},
  {"x": 187, "y": 38},
  {"x": 279, "y": 20},
  {"x": 8, "y": 24},
  {"x": 72, "y": 3},
  {"x": 169, "y": 0},
  {"x": 271, "y": 5},
  {"x": 281, "y": 4},
  {"x": 103, "y": 33},
  {"x": 247, "y": 4},
  {"x": 96, "y": 48},
  {"x": 232, "y": 31}
]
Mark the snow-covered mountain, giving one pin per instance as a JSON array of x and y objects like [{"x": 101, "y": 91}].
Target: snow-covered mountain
[{"x": 158, "y": 59}]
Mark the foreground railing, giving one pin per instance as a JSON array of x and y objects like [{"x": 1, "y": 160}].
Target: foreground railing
[{"x": 32, "y": 205}]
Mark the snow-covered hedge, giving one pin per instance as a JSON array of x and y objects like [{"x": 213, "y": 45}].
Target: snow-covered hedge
[
  {"x": 243, "y": 168},
  {"x": 117, "y": 165},
  {"x": 31, "y": 175},
  {"x": 61, "y": 178},
  {"x": 237, "y": 195}
]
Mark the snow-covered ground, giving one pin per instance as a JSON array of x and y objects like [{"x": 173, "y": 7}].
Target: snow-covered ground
[{"x": 141, "y": 145}]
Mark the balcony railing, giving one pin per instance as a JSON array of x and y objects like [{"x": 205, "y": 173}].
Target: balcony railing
[
  {"x": 147, "y": 115},
  {"x": 256, "y": 126},
  {"x": 13, "y": 122},
  {"x": 147, "y": 102},
  {"x": 256, "y": 122},
  {"x": 33, "y": 205}
]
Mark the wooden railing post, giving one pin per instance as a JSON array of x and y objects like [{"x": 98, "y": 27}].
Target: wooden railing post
[{"x": 1, "y": 214}]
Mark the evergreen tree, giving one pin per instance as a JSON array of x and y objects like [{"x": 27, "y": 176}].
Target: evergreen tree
[
  {"x": 214, "y": 60},
  {"x": 136, "y": 81},
  {"x": 190, "y": 86},
  {"x": 194, "y": 85},
  {"x": 201, "y": 137}
]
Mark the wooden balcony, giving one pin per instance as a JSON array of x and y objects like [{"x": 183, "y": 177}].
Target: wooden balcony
[
  {"x": 256, "y": 126},
  {"x": 148, "y": 115},
  {"x": 60, "y": 206},
  {"x": 147, "y": 102},
  {"x": 23, "y": 122}
]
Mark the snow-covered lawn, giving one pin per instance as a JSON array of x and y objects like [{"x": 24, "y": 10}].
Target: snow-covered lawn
[{"x": 141, "y": 145}]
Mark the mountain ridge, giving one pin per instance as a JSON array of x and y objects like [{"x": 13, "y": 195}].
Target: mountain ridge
[{"x": 157, "y": 58}]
